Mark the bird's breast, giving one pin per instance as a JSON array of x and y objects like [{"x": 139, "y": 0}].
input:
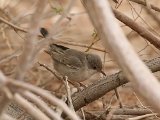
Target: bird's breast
[{"x": 74, "y": 74}]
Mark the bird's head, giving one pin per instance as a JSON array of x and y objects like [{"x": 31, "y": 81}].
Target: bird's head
[{"x": 94, "y": 62}]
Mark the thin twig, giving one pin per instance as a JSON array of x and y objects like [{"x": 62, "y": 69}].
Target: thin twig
[
  {"x": 143, "y": 3},
  {"x": 155, "y": 17},
  {"x": 118, "y": 98},
  {"x": 64, "y": 14},
  {"x": 68, "y": 93},
  {"x": 142, "y": 18},
  {"x": 11, "y": 56},
  {"x": 47, "y": 68},
  {"x": 82, "y": 111},
  {"x": 12, "y": 25},
  {"x": 142, "y": 116},
  {"x": 153, "y": 39}
]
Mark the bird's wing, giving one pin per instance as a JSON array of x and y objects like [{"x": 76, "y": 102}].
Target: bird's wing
[
  {"x": 73, "y": 59},
  {"x": 67, "y": 56}
]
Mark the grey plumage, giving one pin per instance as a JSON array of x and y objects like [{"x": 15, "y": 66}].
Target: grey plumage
[{"x": 77, "y": 65}]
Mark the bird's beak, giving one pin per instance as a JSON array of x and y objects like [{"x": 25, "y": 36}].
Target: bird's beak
[{"x": 103, "y": 73}]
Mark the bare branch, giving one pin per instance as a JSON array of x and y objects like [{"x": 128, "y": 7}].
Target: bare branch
[
  {"x": 12, "y": 25},
  {"x": 30, "y": 108},
  {"x": 111, "y": 33},
  {"x": 48, "y": 96},
  {"x": 153, "y": 15},
  {"x": 144, "y": 3},
  {"x": 107, "y": 84},
  {"x": 142, "y": 116},
  {"x": 28, "y": 52},
  {"x": 153, "y": 39},
  {"x": 32, "y": 97}
]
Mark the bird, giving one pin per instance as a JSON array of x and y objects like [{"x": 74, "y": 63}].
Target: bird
[{"x": 76, "y": 65}]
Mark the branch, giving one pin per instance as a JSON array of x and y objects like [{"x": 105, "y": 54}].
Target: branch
[
  {"x": 12, "y": 25},
  {"x": 102, "y": 114},
  {"x": 29, "y": 108},
  {"x": 153, "y": 39},
  {"x": 46, "y": 95},
  {"x": 122, "y": 51},
  {"x": 93, "y": 92},
  {"x": 41, "y": 104},
  {"x": 29, "y": 47},
  {"x": 153, "y": 15},
  {"x": 144, "y": 3}
]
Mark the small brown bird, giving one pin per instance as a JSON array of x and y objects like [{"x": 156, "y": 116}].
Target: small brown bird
[{"x": 76, "y": 65}]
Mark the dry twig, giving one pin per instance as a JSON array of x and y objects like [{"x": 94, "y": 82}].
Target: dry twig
[
  {"x": 46, "y": 95},
  {"x": 41, "y": 104},
  {"x": 107, "y": 84},
  {"x": 29, "y": 108},
  {"x": 153, "y": 39},
  {"x": 155, "y": 17},
  {"x": 123, "y": 53},
  {"x": 144, "y": 3},
  {"x": 29, "y": 48},
  {"x": 141, "y": 117}
]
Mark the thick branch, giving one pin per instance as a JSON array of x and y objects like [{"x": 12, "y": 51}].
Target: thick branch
[
  {"x": 101, "y": 87},
  {"x": 122, "y": 51}
]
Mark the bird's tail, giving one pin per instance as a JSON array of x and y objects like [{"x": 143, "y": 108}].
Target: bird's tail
[{"x": 56, "y": 49}]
